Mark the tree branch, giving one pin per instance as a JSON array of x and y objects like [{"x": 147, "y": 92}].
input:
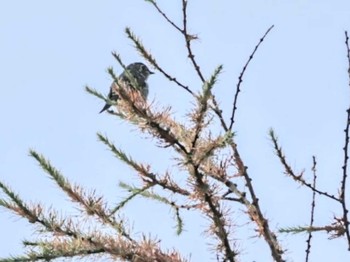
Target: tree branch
[{"x": 240, "y": 78}]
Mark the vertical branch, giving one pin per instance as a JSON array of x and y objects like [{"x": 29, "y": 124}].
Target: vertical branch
[
  {"x": 188, "y": 39},
  {"x": 216, "y": 215},
  {"x": 255, "y": 211},
  {"x": 346, "y": 156},
  {"x": 240, "y": 78},
  {"x": 313, "y": 204}
]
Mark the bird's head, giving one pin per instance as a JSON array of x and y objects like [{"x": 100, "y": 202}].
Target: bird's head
[{"x": 139, "y": 70}]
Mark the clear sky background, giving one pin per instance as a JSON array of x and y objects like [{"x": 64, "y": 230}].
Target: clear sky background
[{"x": 297, "y": 84}]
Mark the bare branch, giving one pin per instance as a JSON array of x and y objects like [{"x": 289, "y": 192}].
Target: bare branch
[
  {"x": 289, "y": 171},
  {"x": 255, "y": 210},
  {"x": 188, "y": 39},
  {"x": 313, "y": 205},
  {"x": 346, "y": 157},
  {"x": 165, "y": 16},
  {"x": 240, "y": 78}
]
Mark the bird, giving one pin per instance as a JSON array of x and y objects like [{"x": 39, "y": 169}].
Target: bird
[{"x": 133, "y": 77}]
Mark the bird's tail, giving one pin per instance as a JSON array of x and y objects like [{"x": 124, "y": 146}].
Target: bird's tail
[{"x": 105, "y": 108}]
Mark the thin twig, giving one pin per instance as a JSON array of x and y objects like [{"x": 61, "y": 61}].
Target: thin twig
[
  {"x": 346, "y": 156},
  {"x": 218, "y": 113},
  {"x": 165, "y": 16},
  {"x": 313, "y": 204},
  {"x": 188, "y": 39},
  {"x": 289, "y": 171},
  {"x": 142, "y": 50},
  {"x": 240, "y": 78}
]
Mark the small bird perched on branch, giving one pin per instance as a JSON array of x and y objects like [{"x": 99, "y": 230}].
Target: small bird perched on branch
[{"x": 134, "y": 77}]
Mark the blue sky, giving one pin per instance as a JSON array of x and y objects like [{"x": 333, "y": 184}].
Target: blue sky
[{"x": 297, "y": 84}]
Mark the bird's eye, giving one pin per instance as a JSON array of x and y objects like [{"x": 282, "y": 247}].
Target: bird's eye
[{"x": 144, "y": 68}]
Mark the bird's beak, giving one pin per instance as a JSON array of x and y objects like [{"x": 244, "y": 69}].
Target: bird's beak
[{"x": 151, "y": 73}]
